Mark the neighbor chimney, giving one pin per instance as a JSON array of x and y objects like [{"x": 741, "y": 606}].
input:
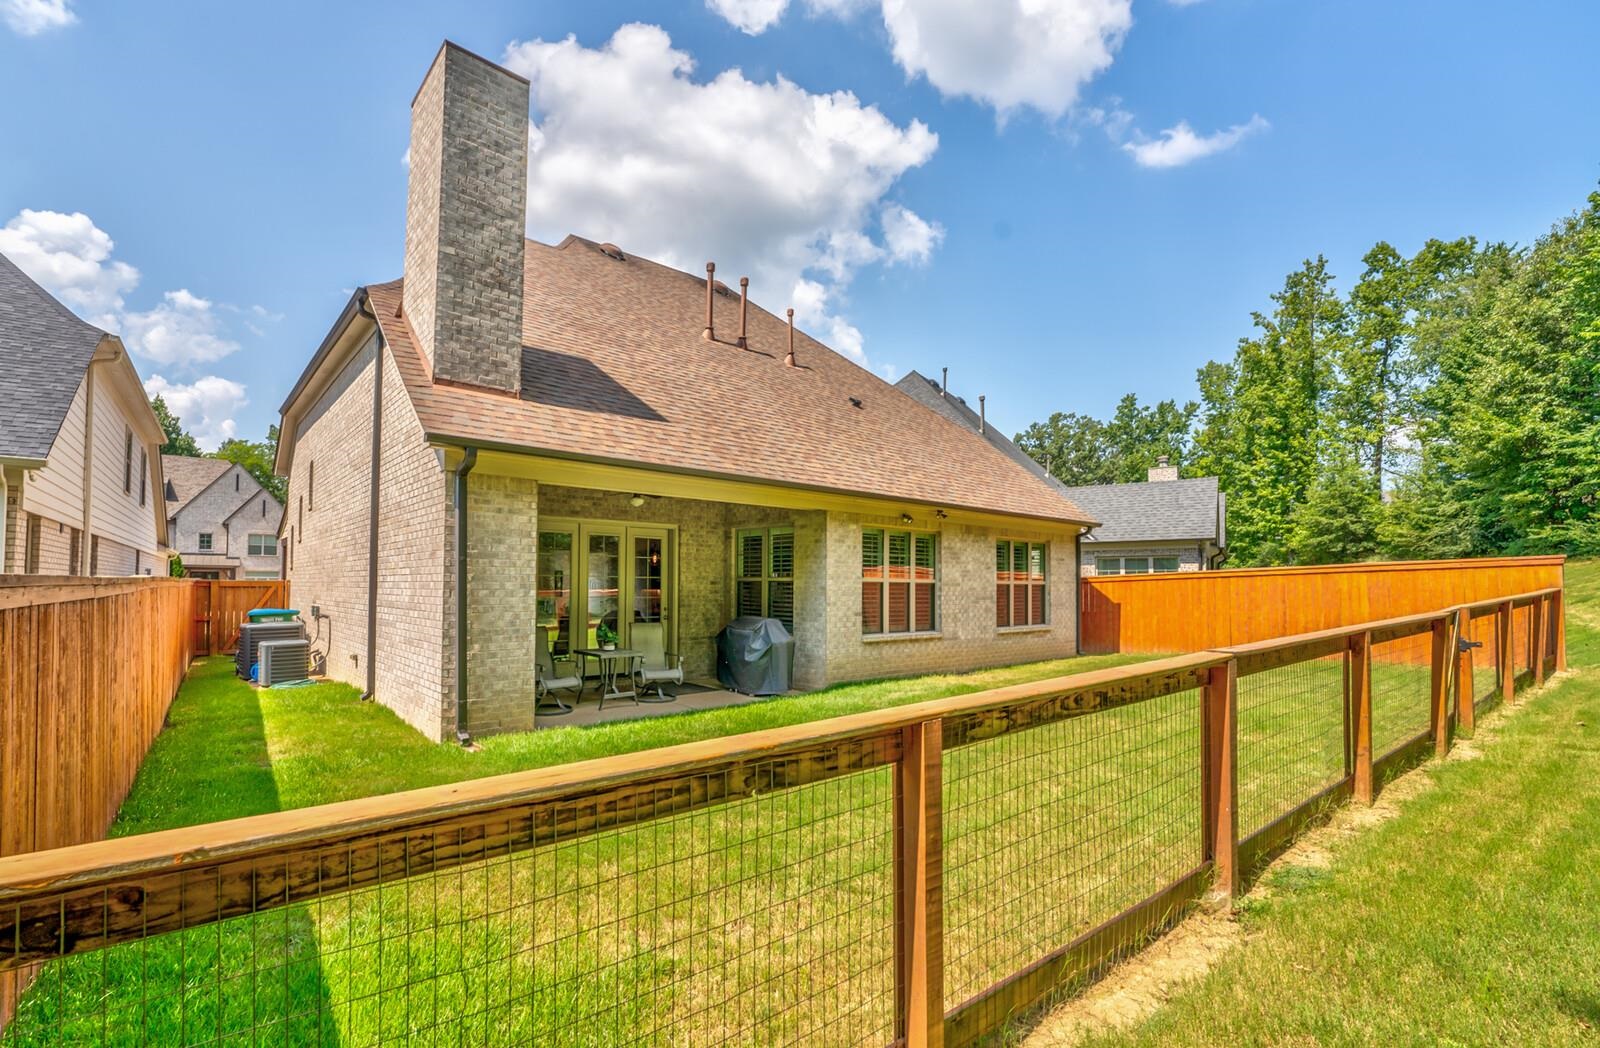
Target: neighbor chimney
[
  {"x": 1162, "y": 471},
  {"x": 789, "y": 358},
  {"x": 983, "y": 421},
  {"x": 465, "y": 212},
  {"x": 744, "y": 304},
  {"x": 710, "y": 332}
]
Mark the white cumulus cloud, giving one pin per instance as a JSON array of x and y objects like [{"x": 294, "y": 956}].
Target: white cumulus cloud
[
  {"x": 765, "y": 178},
  {"x": 751, "y": 16},
  {"x": 32, "y": 17},
  {"x": 181, "y": 329},
  {"x": 908, "y": 236},
  {"x": 71, "y": 257},
  {"x": 1179, "y": 144},
  {"x": 206, "y": 406}
]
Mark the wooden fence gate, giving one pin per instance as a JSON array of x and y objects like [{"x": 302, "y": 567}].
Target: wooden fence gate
[{"x": 220, "y": 607}]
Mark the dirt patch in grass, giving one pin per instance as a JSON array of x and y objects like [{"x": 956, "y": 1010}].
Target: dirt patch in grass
[{"x": 1136, "y": 988}]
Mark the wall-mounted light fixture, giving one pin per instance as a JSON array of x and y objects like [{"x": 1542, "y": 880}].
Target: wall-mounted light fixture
[
  {"x": 941, "y": 514},
  {"x": 905, "y": 518},
  {"x": 635, "y": 501}
]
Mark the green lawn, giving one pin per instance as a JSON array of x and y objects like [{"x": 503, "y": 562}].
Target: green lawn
[
  {"x": 766, "y": 920},
  {"x": 1472, "y": 918}
]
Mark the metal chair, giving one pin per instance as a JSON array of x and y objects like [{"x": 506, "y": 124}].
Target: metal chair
[
  {"x": 546, "y": 682},
  {"x": 656, "y": 667}
]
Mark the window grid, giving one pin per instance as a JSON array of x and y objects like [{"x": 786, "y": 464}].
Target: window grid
[
  {"x": 899, "y": 582},
  {"x": 1020, "y": 592}
]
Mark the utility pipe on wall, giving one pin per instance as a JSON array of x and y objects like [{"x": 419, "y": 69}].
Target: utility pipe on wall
[{"x": 468, "y": 460}]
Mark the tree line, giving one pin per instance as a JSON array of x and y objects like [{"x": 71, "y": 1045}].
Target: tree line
[{"x": 1447, "y": 404}]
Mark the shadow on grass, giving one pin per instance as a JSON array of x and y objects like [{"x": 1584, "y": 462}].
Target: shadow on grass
[{"x": 254, "y": 979}]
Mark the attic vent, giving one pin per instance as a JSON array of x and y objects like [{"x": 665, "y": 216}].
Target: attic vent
[
  {"x": 613, "y": 251},
  {"x": 855, "y": 402}
]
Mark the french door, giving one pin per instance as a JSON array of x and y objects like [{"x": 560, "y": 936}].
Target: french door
[{"x": 594, "y": 574}]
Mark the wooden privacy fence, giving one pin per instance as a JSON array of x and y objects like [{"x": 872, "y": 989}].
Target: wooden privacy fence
[
  {"x": 88, "y": 668},
  {"x": 918, "y": 875},
  {"x": 1191, "y": 611},
  {"x": 222, "y": 604}
]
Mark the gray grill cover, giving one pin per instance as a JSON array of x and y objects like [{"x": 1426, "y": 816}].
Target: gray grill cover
[{"x": 755, "y": 656}]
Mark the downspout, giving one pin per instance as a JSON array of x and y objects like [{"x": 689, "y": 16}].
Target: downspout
[
  {"x": 1077, "y": 589},
  {"x": 468, "y": 460},
  {"x": 372, "y": 503}
]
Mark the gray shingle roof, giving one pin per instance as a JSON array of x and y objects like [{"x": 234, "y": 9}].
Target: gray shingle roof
[
  {"x": 188, "y": 476},
  {"x": 1152, "y": 511},
  {"x": 44, "y": 350},
  {"x": 925, "y": 391}
]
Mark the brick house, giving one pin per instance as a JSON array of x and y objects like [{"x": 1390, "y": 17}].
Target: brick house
[
  {"x": 1160, "y": 524},
  {"x": 80, "y": 470},
  {"x": 222, "y": 522},
  {"x": 520, "y": 437}
]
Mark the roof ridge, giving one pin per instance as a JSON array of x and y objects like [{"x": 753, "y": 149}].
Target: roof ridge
[{"x": 37, "y": 290}]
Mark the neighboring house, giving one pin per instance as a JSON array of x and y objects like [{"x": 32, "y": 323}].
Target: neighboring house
[
  {"x": 223, "y": 523},
  {"x": 80, "y": 473},
  {"x": 520, "y": 437},
  {"x": 1162, "y": 524}
]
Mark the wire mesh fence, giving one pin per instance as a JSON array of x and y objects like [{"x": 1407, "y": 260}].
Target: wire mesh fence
[
  {"x": 1051, "y": 831},
  {"x": 765, "y": 920},
  {"x": 758, "y": 890},
  {"x": 1292, "y": 731},
  {"x": 1402, "y": 675},
  {"x": 1482, "y": 634}
]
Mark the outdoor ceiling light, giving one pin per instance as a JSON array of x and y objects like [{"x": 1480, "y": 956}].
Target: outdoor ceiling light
[{"x": 635, "y": 501}]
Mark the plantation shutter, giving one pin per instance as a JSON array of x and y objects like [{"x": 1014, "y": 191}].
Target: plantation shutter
[
  {"x": 872, "y": 573},
  {"x": 752, "y": 560},
  {"x": 780, "y": 588}
]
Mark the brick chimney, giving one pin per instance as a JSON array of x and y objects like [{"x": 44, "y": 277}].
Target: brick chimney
[
  {"x": 1162, "y": 471},
  {"x": 465, "y": 212}
]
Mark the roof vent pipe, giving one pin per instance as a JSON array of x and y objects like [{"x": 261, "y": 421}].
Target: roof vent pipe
[
  {"x": 744, "y": 304},
  {"x": 788, "y": 359},
  {"x": 983, "y": 423},
  {"x": 944, "y": 383},
  {"x": 710, "y": 332}
]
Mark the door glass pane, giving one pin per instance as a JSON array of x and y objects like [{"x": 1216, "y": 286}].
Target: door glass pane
[
  {"x": 605, "y": 567},
  {"x": 648, "y": 558},
  {"x": 555, "y": 589}
]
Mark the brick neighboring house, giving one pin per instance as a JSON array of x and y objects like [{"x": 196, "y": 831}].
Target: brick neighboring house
[
  {"x": 80, "y": 473},
  {"x": 1161, "y": 524},
  {"x": 519, "y": 437},
  {"x": 223, "y": 523}
]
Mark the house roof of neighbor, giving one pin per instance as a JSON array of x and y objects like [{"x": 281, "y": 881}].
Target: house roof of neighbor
[
  {"x": 1153, "y": 511},
  {"x": 930, "y": 394},
  {"x": 44, "y": 349},
  {"x": 188, "y": 476},
  {"x": 615, "y": 368}
]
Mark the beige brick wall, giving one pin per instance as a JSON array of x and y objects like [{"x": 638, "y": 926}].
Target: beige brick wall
[
  {"x": 327, "y": 518},
  {"x": 15, "y": 528},
  {"x": 414, "y": 599},
  {"x": 967, "y": 637},
  {"x": 54, "y": 540},
  {"x": 115, "y": 558},
  {"x": 502, "y": 541}
]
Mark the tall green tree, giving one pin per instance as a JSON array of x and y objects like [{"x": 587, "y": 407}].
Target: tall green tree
[
  {"x": 257, "y": 458},
  {"x": 1073, "y": 447},
  {"x": 179, "y": 440}
]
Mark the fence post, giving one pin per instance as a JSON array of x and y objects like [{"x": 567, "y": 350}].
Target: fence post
[
  {"x": 1503, "y": 654},
  {"x": 1220, "y": 781},
  {"x": 1439, "y": 691},
  {"x": 919, "y": 887},
  {"x": 1466, "y": 714},
  {"x": 1558, "y": 612},
  {"x": 1360, "y": 677},
  {"x": 1540, "y": 640}
]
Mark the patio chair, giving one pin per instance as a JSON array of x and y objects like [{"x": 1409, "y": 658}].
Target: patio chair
[
  {"x": 656, "y": 667},
  {"x": 546, "y": 682}
]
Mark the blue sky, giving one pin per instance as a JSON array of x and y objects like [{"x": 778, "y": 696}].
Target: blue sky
[{"x": 1061, "y": 207}]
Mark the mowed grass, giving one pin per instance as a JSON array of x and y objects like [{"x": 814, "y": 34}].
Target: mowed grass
[
  {"x": 1472, "y": 918},
  {"x": 766, "y": 920}
]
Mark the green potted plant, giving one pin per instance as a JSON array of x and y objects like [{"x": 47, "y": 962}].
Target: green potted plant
[{"x": 606, "y": 636}]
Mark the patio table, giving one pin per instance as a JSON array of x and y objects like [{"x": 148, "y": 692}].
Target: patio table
[{"x": 615, "y": 664}]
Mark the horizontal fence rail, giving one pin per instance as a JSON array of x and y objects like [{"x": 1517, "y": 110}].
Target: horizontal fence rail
[
  {"x": 1191, "y": 611},
  {"x": 919, "y": 875}
]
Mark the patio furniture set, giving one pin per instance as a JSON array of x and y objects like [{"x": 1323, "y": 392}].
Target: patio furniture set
[{"x": 639, "y": 674}]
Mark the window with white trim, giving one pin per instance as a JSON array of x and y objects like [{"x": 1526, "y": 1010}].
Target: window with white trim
[
  {"x": 764, "y": 573},
  {"x": 899, "y": 582},
  {"x": 263, "y": 545},
  {"x": 1020, "y": 593}
]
